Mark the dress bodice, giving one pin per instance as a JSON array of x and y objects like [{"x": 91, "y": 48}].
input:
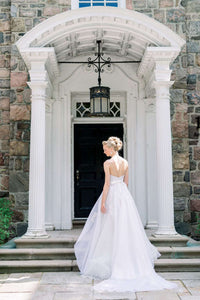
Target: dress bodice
[{"x": 116, "y": 179}]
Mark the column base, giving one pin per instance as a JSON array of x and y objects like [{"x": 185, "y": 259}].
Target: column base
[
  {"x": 49, "y": 226},
  {"x": 166, "y": 231},
  {"x": 35, "y": 234}
]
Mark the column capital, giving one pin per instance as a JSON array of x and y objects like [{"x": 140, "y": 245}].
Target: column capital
[
  {"x": 39, "y": 90},
  {"x": 40, "y": 57},
  {"x": 156, "y": 57}
]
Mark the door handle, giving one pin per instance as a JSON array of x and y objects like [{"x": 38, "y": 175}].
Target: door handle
[{"x": 77, "y": 176}]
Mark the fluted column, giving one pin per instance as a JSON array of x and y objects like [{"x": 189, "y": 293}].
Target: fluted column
[
  {"x": 164, "y": 160},
  {"x": 36, "y": 216}
]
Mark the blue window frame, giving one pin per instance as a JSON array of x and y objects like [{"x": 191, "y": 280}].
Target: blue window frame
[{"x": 87, "y": 3}]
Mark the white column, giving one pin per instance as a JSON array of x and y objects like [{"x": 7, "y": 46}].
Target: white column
[
  {"x": 140, "y": 161},
  {"x": 48, "y": 167},
  {"x": 152, "y": 203},
  {"x": 164, "y": 160},
  {"x": 36, "y": 216}
]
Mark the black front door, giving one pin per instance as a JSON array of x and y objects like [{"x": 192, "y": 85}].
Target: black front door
[{"x": 88, "y": 163}]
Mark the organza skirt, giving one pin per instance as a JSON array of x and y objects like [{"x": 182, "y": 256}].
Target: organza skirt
[{"x": 114, "y": 247}]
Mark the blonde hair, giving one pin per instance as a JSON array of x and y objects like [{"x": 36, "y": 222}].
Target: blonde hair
[{"x": 113, "y": 142}]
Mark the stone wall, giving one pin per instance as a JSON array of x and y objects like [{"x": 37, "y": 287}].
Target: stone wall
[
  {"x": 4, "y": 96},
  {"x": 180, "y": 16}
]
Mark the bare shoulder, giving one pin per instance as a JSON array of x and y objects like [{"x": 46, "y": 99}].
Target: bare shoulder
[
  {"x": 124, "y": 160},
  {"x": 106, "y": 163}
]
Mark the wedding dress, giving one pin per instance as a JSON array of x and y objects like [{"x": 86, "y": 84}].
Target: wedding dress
[{"x": 113, "y": 246}]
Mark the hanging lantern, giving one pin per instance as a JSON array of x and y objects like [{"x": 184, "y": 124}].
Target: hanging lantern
[{"x": 100, "y": 101}]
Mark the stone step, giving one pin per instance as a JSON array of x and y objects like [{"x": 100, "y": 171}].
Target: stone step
[
  {"x": 78, "y": 223},
  {"x": 46, "y": 243},
  {"x": 161, "y": 265},
  {"x": 69, "y": 242},
  {"x": 68, "y": 253},
  {"x": 37, "y": 254},
  {"x": 179, "y": 252}
]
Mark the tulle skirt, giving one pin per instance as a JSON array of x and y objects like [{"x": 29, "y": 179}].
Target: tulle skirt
[{"x": 114, "y": 247}]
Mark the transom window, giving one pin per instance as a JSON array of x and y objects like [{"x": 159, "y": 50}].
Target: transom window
[
  {"x": 86, "y": 3},
  {"x": 94, "y": 3}
]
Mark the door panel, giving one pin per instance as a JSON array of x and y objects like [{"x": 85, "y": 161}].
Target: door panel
[{"x": 88, "y": 163}]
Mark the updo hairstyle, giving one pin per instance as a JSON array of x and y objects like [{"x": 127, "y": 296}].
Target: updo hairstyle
[{"x": 114, "y": 142}]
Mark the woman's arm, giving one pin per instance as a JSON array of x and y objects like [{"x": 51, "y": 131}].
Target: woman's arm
[
  {"x": 126, "y": 177},
  {"x": 106, "y": 186}
]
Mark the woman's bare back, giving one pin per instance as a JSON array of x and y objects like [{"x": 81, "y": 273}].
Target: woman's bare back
[{"x": 118, "y": 166}]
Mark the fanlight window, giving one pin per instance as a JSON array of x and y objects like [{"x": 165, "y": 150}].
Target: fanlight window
[{"x": 86, "y": 3}]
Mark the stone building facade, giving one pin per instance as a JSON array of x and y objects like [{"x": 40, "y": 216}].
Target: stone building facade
[{"x": 183, "y": 17}]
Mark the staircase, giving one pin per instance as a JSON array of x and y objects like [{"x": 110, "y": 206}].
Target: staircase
[{"x": 56, "y": 253}]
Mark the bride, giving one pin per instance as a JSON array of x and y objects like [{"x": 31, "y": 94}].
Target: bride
[{"x": 113, "y": 245}]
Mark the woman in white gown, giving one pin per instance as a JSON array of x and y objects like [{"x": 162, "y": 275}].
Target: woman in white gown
[{"x": 113, "y": 245}]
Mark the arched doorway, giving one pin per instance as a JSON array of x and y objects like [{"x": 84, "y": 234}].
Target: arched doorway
[{"x": 69, "y": 36}]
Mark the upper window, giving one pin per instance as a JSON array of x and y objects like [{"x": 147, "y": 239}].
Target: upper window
[{"x": 87, "y": 3}]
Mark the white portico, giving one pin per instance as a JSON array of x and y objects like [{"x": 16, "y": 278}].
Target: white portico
[{"x": 141, "y": 89}]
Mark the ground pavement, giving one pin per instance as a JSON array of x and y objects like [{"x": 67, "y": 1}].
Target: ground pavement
[{"x": 71, "y": 286}]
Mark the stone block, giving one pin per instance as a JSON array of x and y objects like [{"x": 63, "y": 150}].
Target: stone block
[
  {"x": 26, "y": 165},
  {"x": 18, "y": 163},
  {"x": 4, "y": 104},
  {"x": 20, "y": 112},
  {"x": 17, "y": 25},
  {"x": 4, "y": 183},
  {"x": 193, "y": 98},
  {"x": 166, "y": 3},
  {"x": 175, "y": 15},
  {"x": 195, "y": 204},
  {"x": 177, "y": 176},
  {"x": 18, "y": 79},
  {"x": 4, "y": 194},
  {"x": 5, "y": 145},
  {"x": 23, "y": 125},
  {"x": 187, "y": 217},
  {"x": 180, "y": 129},
  {"x": 197, "y": 153},
  {"x": 152, "y": 3},
  {"x": 19, "y": 182},
  {"x": 129, "y": 4},
  {"x": 159, "y": 15},
  {"x": 19, "y": 148},
  {"x": 193, "y": 46},
  {"x": 30, "y": 13},
  {"x": 197, "y": 190},
  {"x": 5, "y": 117},
  {"x": 51, "y": 10},
  {"x": 176, "y": 95},
  {"x": 194, "y": 29},
  {"x": 195, "y": 177},
  {"x": 181, "y": 161},
  {"x": 4, "y": 25},
  {"x": 193, "y": 6},
  {"x": 181, "y": 190},
  {"x": 193, "y": 133},
  {"x": 179, "y": 203},
  {"x": 4, "y": 132},
  {"x": 4, "y": 83},
  {"x": 191, "y": 79},
  {"x": 187, "y": 176},
  {"x": 21, "y": 228},
  {"x": 198, "y": 59},
  {"x": 183, "y": 228},
  {"x": 17, "y": 216},
  {"x": 21, "y": 200},
  {"x": 180, "y": 145}
]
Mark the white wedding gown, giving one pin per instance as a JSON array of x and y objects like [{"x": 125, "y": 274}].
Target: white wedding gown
[{"x": 113, "y": 246}]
